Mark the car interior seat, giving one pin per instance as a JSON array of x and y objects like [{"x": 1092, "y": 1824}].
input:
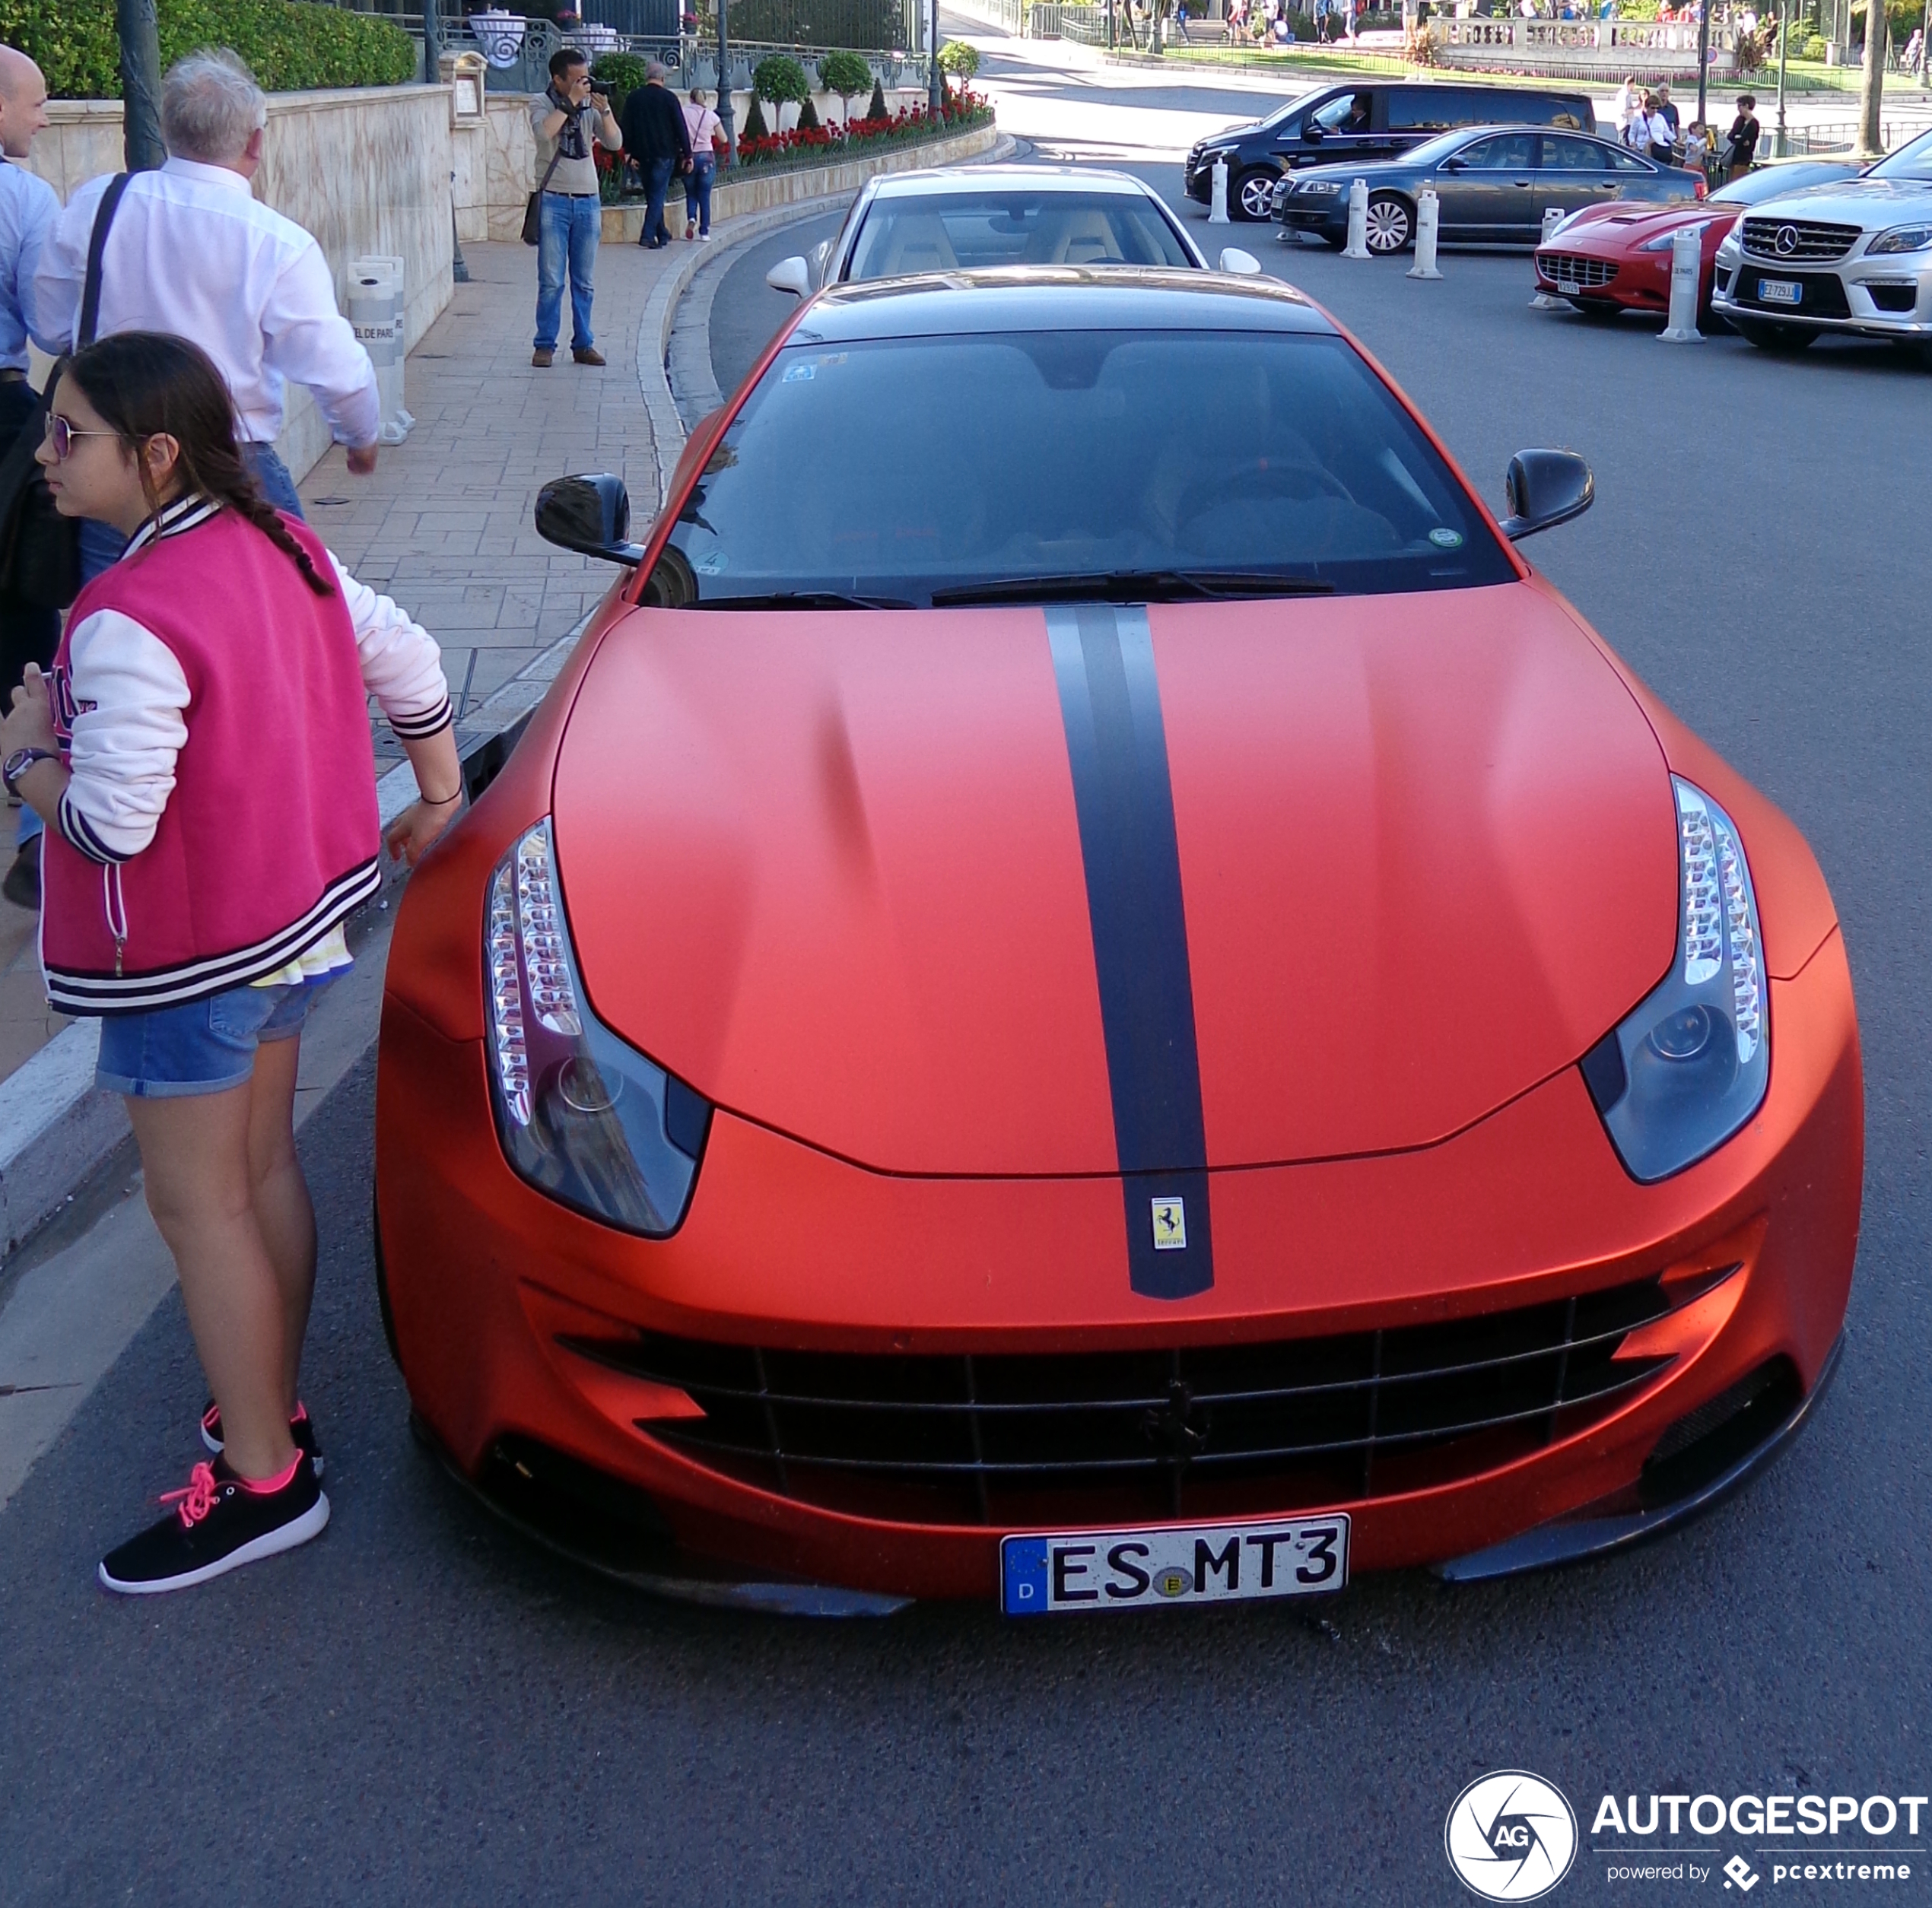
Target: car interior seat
[
  {"x": 918, "y": 243},
  {"x": 1085, "y": 237}
]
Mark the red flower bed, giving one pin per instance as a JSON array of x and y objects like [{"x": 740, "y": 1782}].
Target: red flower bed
[{"x": 962, "y": 108}]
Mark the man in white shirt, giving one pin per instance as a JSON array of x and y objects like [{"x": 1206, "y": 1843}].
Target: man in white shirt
[
  {"x": 29, "y": 631},
  {"x": 191, "y": 252}
]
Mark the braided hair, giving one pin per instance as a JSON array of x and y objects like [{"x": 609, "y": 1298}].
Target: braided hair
[{"x": 147, "y": 384}]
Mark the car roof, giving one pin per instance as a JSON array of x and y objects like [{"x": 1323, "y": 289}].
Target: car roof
[
  {"x": 1035, "y": 298},
  {"x": 1030, "y": 179}
]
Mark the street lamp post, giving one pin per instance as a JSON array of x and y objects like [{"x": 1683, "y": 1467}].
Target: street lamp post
[
  {"x": 1703, "y": 60},
  {"x": 1784, "y": 35},
  {"x": 725, "y": 118},
  {"x": 141, "y": 85},
  {"x": 1925, "y": 49},
  {"x": 934, "y": 80}
]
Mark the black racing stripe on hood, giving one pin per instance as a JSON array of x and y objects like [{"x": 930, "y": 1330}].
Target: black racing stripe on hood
[{"x": 1117, "y": 746}]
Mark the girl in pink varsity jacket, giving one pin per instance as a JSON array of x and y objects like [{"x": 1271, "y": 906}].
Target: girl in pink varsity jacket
[{"x": 200, "y": 756}]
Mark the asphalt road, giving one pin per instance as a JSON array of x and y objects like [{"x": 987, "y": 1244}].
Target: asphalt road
[{"x": 417, "y": 1708}]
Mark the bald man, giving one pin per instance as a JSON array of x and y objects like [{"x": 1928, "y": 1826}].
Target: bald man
[{"x": 28, "y": 208}]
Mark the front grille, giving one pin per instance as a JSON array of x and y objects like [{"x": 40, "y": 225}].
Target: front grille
[
  {"x": 1572, "y": 268},
  {"x": 1794, "y": 241},
  {"x": 1029, "y": 1438},
  {"x": 1822, "y": 295}
]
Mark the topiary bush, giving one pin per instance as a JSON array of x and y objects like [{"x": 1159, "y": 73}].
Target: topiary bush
[
  {"x": 754, "y": 125},
  {"x": 808, "y": 115},
  {"x": 292, "y": 45},
  {"x": 780, "y": 79},
  {"x": 876, "y": 107},
  {"x": 845, "y": 74},
  {"x": 960, "y": 60},
  {"x": 621, "y": 75}
]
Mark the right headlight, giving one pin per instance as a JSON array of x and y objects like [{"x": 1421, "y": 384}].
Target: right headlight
[
  {"x": 1902, "y": 238},
  {"x": 582, "y": 1114},
  {"x": 1690, "y": 1066},
  {"x": 1326, "y": 186}
]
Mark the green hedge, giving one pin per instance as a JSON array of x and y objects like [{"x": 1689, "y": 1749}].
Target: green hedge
[{"x": 293, "y": 45}]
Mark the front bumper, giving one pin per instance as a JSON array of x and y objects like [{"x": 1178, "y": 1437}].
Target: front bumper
[
  {"x": 1862, "y": 297},
  {"x": 786, "y": 1247},
  {"x": 1633, "y": 283}
]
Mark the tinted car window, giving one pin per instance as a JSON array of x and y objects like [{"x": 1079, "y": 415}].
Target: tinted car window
[
  {"x": 960, "y": 230},
  {"x": 1425, "y": 109},
  {"x": 1560, "y": 154},
  {"x": 1350, "y": 113},
  {"x": 1506, "y": 152},
  {"x": 1627, "y": 162},
  {"x": 1069, "y": 453}
]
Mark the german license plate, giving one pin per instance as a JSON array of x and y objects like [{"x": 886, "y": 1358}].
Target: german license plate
[
  {"x": 1569, "y": 288},
  {"x": 1779, "y": 291},
  {"x": 1053, "y": 1575}
]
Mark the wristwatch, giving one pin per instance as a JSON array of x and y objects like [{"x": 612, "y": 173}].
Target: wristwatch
[{"x": 17, "y": 764}]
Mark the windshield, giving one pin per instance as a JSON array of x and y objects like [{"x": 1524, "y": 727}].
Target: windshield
[
  {"x": 1913, "y": 160},
  {"x": 1282, "y": 113},
  {"x": 950, "y": 231},
  {"x": 1432, "y": 151},
  {"x": 891, "y": 470},
  {"x": 1773, "y": 182}
]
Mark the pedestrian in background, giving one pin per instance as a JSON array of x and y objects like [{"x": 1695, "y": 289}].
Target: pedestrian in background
[
  {"x": 28, "y": 208},
  {"x": 1660, "y": 137},
  {"x": 707, "y": 133},
  {"x": 1627, "y": 103},
  {"x": 190, "y": 250},
  {"x": 1669, "y": 110},
  {"x": 202, "y": 765},
  {"x": 1741, "y": 142},
  {"x": 655, "y": 135},
  {"x": 571, "y": 115}
]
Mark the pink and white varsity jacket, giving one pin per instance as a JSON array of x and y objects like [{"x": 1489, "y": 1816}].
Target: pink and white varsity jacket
[{"x": 214, "y": 711}]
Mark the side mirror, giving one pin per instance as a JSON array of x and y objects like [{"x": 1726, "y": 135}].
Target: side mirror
[
  {"x": 1453, "y": 166},
  {"x": 792, "y": 274},
  {"x": 590, "y": 515},
  {"x": 1546, "y": 488},
  {"x": 1313, "y": 132},
  {"x": 1244, "y": 263}
]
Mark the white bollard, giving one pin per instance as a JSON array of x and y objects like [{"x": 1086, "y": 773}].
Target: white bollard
[
  {"x": 1553, "y": 216},
  {"x": 374, "y": 303},
  {"x": 1686, "y": 277},
  {"x": 1427, "y": 216},
  {"x": 1218, "y": 212},
  {"x": 1357, "y": 245}
]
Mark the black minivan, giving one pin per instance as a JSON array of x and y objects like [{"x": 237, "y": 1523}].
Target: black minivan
[{"x": 1365, "y": 120}]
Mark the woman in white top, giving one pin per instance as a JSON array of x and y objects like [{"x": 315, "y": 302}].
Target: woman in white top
[{"x": 705, "y": 128}]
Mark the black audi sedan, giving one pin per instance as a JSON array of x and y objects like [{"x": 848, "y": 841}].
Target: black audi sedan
[
  {"x": 1363, "y": 119},
  {"x": 1493, "y": 184}
]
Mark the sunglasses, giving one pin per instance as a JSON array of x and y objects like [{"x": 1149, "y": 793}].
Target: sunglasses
[{"x": 61, "y": 434}]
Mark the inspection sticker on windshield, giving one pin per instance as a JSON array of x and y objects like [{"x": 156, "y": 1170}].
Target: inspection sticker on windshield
[
  {"x": 798, "y": 373},
  {"x": 1446, "y": 539},
  {"x": 1138, "y": 1570}
]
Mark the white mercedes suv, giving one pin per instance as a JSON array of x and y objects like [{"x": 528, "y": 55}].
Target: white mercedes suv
[{"x": 1854, "y": 257}]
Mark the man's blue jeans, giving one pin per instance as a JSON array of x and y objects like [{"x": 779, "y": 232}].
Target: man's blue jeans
[
  {"x": 569, "y": 230},
  {"x": 657, "y": 182}
]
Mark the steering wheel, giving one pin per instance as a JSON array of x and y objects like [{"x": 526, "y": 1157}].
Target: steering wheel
[{"x": 1259, "y": 476}]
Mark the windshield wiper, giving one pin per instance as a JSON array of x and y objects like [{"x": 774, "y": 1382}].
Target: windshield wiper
[
  {"x": 802, "y": 599},
  {"x": 1132, "y": 586}
]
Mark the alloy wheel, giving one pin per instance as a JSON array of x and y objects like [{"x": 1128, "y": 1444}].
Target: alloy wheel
[
  {"x": 1390, "y": 225},
  {"x": 1254, "y": 197}
]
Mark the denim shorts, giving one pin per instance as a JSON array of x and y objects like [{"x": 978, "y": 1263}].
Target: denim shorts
[{"x": 207, "y": 1046}]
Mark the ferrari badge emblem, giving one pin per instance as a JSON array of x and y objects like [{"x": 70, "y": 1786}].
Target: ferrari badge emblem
[{"x": 1170, "y": 1225}]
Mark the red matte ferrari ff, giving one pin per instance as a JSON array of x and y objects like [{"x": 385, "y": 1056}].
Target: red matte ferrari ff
[
  {"x": 1087, "y": 993},
  {"x": 1615, "y": 257}
]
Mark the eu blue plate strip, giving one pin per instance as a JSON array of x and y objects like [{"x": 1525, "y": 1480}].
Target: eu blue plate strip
[{"x": 1110, "y": 701}]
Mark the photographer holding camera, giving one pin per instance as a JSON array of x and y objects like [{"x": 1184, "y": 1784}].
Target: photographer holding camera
[{"x": 572, "y": 113}]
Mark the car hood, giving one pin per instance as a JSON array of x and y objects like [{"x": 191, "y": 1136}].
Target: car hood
[
  {"x": 1620, "y": 226},
  {"x": 1227, "y": 133},
  {"x": 828, "y": 869},
  {"x": 1872, "y": 205}
]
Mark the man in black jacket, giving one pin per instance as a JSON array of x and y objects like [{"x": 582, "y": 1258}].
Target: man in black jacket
[{"x": 655, "y": 136}]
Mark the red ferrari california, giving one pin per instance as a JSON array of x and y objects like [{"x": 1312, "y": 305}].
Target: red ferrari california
[
  {"x": 1612, "y": 258},
  {"x": 1087, "y": 994}
]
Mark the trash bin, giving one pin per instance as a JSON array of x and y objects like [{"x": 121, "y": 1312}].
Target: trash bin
[{"x": 375, "y": 315}]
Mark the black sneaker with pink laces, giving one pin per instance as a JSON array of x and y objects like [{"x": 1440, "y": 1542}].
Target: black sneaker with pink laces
[
  {"x": 301, "y": 1428},
  {"x": 219, "y": 1523}
]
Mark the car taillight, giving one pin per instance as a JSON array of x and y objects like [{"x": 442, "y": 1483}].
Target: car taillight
[{"x": 1703, "y": 186}]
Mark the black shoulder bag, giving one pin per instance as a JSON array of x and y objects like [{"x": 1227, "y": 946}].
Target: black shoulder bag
[
  {"x": 40, "y": 549},
  {"x": 533, "y": 207}
]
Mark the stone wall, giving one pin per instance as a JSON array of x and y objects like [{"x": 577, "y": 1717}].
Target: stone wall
[{"x": 365, "y": 170}]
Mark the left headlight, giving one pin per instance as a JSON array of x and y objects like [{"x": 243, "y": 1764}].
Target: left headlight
[
  {"x": 1664, "y": 241},
  {"x": 1317, "y": 185},
  {"x": 583, "y": 1115},
  {"x": 1690, "y": 1066},
  {"x": 1902, "y": 238}
]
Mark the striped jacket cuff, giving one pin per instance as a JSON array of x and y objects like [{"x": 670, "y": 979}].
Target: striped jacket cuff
[
  {"x": 431, "y": 722},
  {"x": 79, "y": 835}
]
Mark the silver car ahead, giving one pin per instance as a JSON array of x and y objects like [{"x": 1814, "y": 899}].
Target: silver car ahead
[
  {"x": 1855, "y": 257},
  {"x": 961, "y": 218}
]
